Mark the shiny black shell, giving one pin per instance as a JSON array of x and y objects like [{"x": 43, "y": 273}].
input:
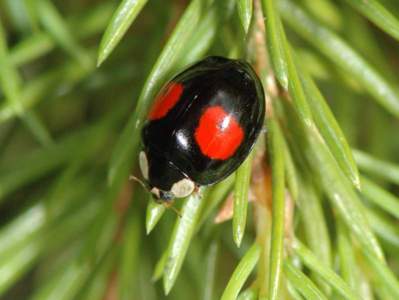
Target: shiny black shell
[{"x": 169, "y": 143}]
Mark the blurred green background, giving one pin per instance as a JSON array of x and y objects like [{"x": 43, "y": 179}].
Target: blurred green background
[{"x": 76, "y": 80}]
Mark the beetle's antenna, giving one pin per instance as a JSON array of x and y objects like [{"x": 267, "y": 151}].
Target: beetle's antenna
[
  {"x": 170, "y": 205},
  {"x": 178, "y": 213},
  {"x": 131, "y": 177}
]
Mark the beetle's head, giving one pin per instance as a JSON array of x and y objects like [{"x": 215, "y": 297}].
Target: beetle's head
[{"x": 164, "y": 180}]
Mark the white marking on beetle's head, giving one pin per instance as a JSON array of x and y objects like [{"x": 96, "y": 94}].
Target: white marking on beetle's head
[
  {"x": 183, "y": 188},
  {"x": 143, "y": 162},
  {"x": 155, "y": 191}
]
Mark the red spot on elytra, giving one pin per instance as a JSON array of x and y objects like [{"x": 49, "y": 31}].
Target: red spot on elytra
[
  {"x": 218, "y": 134},
  {"x": 166, "y": 100}
]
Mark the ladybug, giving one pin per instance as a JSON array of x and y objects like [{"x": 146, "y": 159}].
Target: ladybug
[{"x": 201, "y": 127}]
